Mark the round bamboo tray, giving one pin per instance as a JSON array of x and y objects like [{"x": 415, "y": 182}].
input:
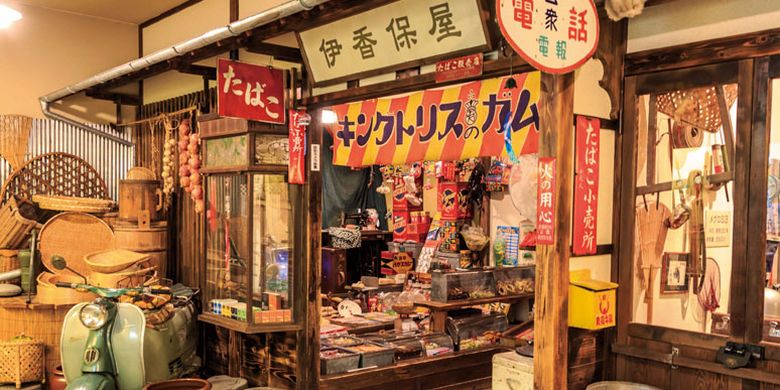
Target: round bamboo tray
[
  {"x": 113, "y": 260},
  {"x": 136, "y": 276},
  {"x": 72, "y": 236},
  {"x": 72, "y": 203},
  {"x": 22, "y": 361}
]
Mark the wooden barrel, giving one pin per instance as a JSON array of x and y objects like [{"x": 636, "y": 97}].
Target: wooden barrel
[
  {"x": 152, "y": 241},
  {"x": 160, "y": 260},
  {"x": 154, "y": 238},
  {"x": 138, "y": 195}
]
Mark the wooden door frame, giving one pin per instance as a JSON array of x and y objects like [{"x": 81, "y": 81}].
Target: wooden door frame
[{"x": 624, "y": 218}]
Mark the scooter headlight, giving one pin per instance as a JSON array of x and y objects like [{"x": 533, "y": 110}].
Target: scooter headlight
[{"x": 93, "y": 316}]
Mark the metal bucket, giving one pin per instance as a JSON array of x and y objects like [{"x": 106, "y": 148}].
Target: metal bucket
[{"x": 614, "y": 385}]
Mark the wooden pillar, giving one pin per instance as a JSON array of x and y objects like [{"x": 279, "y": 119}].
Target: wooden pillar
[
  {"x": 556, "y": 139},
  {"x": 309, "y": 336}
]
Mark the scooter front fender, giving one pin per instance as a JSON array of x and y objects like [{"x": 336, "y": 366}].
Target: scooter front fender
[
  {"x": 126, "y": 343},
  {"x": 93, "y": 382}
]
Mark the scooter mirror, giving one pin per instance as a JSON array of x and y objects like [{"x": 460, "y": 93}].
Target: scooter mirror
[{"x": 59, "y": 262}]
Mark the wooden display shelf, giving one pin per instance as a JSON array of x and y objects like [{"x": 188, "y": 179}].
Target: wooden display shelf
[
  {"x": 246, "y": 328},
  {"x": 473, "y": 367},
  {"x": 20, "y": 303},
  {"x": 439, "y": 309}
]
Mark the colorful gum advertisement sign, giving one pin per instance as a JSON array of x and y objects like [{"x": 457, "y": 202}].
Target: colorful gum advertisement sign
[{"x": 444, "y": 124}]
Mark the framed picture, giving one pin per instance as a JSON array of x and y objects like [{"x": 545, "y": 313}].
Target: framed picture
[{"x": 674, "y": 273}]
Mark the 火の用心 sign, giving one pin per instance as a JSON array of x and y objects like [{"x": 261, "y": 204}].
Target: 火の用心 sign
[
  {"x": 554, "y": 36},
  {"x": 480, "y": 118},
  {"x": 398, "y": 35}
]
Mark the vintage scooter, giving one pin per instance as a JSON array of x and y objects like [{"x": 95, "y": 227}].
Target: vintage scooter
[{"x": 107, "y": 345}]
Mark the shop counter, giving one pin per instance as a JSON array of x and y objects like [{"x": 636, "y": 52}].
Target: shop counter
[{"x": 468, "y": 367}]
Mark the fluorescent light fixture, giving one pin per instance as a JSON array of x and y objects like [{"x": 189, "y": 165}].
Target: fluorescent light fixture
[
  {"x": 8, "y": 15},
  {"x": 328, "y": 117}
]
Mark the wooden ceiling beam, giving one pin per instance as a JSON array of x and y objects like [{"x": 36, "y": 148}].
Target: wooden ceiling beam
[
  {"x": 167, "y": 13},
  {"x": 119, "y": 98},
  {"x": 323, "y": 13},
  {"x": 279, "y": 52},
  {"x": 208, "y": 72}
]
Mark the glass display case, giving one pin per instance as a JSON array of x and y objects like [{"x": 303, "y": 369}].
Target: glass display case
[
  {"x": 250, "y": 233},
  {"x": 447, "y": 286}
]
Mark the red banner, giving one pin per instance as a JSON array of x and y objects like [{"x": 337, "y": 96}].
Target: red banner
[
  {"x": 296, "y": 168},
  {"x": 250, "y": 91},
  {"x": 586, "y": 185},
  {"x": 459, "y": 68},
  {"x": 545, "y": 203}
]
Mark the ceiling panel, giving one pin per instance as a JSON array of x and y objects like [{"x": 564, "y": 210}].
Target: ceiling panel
[{"x": 135, "y": 11}]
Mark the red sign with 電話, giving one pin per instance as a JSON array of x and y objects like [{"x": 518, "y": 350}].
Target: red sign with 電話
[
  {"x": 554, "y": 36},
  {"x": 250, "y": 91},
  {"x": 545, "y": 202},
  {"x": 459, "y": 68},
  {"x": 296, "y": 169},
  {"x": 586, "y": 186}
]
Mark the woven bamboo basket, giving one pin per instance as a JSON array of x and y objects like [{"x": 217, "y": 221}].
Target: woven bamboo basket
[
  {"x": 16, "y": 222},
  {"x": 41, "y": 322},
  {"x": 73, "y": 203},
  {"x": 697, "y": 107},
  {"x": 22, "y": 361},
  {"x": 9, "y": 261}
]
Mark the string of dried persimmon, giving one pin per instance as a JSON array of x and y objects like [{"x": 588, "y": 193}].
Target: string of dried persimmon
[{"x": 189, "y": 164}]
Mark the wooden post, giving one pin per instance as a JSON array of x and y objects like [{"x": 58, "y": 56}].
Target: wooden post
[
  {"x": 309, "y": 336},
  {"x": 556, "y": 139}
]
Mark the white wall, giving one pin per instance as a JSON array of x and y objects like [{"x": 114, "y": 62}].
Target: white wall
[
  {"x": 48, "y": 50},
  {"x": 195, "y": 20},
  {"x": 680, "y": 22}
]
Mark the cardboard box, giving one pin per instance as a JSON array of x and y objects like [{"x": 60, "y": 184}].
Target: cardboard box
[
  {"x": 399, "y": 192},
  {"x": 274, "y": 301},
  {"x": 591, "y": 302},
  {"x": 400, "y": 225}
]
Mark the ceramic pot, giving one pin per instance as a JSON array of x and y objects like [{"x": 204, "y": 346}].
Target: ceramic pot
[
  {"x": 180, "y": 384},
  {"x": 56, "y": 379}
]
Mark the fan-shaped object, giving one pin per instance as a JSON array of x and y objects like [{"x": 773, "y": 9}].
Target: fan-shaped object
[{"x": 60, "y": 174}]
